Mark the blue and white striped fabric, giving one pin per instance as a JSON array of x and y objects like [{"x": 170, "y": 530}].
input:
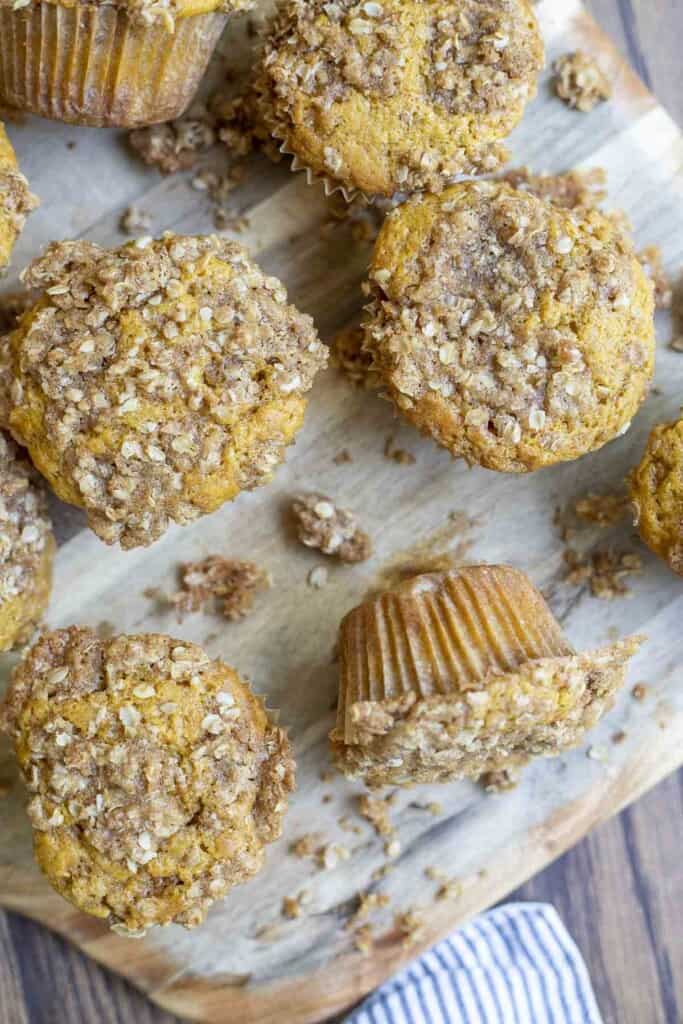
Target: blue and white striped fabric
[{"x": 516, "y": 964}]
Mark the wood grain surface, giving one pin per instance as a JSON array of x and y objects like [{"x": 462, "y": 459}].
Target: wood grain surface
[{"x": 618, "y": 890}]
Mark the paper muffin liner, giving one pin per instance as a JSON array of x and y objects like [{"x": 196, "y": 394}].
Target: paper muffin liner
[
  {"x": 439, "y": 634},
  {"x": 95, "y": 65}
]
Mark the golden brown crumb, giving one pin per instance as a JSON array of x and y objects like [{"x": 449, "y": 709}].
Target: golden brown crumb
[
  {"x": 399, "y": 455},
  {"x": 451, "y": 889},
  {"x": 580, "y": 81},
  {"x": 618, "y": 737},
  {"x": 363, "y": 939},
  {"x": 348, "y": 355},
  {"x": 225, "y": 584},
  {"x": 640, "y": 691},
  {"x": 410, "y": 924},
  {"x": 375, "y": 810},
  {"x": 653, "y": 265},
  {"x": 292, "y": 906},
  {"x": 368, "y": 903},
  {"x": 335, "y": 531},
  {"x": 342, "y": 457},
  {"x": 602, "y": 509},
  {"x": 605, "y": 571},
  {"x": 501, "y": 781}
]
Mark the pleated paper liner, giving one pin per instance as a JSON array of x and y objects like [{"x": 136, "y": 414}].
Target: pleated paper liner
[
  {"x": 95, "y": 65},
  {"x": 442, "y": 634}
]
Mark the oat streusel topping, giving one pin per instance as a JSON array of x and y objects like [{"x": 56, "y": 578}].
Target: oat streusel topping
[
  {"x": 580, "y": 81},
  {"x": 26, "y": 546},
  {"x": 398, "y": 95},
  {"x": 517, "y": 333},
  {"x": 155, "y": 381},
  {"x": 335, "y": 531},
  {"x": 155, "y": 775},
  {"x": 228, "y": 584}
]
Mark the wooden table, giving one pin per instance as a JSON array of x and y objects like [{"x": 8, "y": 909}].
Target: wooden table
[{"x": 619, "y": 891}]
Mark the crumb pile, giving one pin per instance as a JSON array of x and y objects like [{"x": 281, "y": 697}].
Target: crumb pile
[
  {"x": 335, "y": 531},
  {"x": 398, "y": 95},
  {"x": 580, "y": 81},
  {"x": 227, "y": 584},
  {"x": 516, "y": 333},
  {"x": 156, "y": 381},
  {"x": 26, "y": 547},
  {"x": 463, "y": 673},
  {"x": 156, "y": 777}
]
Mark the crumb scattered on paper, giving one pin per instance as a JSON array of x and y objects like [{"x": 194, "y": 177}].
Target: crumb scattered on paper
[
  {"x": 580, "y": 81},
  {"x": 323, "y": 525},
  {"x": 227, "y": 585},
  {"x": 606, "y": 572}
]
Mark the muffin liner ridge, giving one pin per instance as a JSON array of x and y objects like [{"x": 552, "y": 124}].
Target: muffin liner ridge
[{"x": 95, "y": 65}]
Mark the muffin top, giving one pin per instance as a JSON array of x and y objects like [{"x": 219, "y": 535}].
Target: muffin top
[
  {"x": 151, "y": 11},
  {"x": 26, "y": 539},
  {"x": 399, "y": 95},
  {"x": 656, "y": 486},
  {"x": 155, "y": 775},
  {"x": 155, "y": 381},
  {"x": 516, "y": 333},
  {"x": 16, "y": 200}
]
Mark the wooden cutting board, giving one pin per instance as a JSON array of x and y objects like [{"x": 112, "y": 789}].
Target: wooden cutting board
[{"x": 248, "y": 963}]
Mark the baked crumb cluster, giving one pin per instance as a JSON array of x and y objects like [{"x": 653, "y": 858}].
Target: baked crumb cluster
[
  {"x": 155, "y": 775},
  {"x": 228, "y": 584},
  {"x": 398, "y": 95},
  {"x": 155, "y": 381},
  {"x": 26, "y": 546},
  {"x": 515, "y": 332},
  {"x": 335, "y": 531},
  {"x": 580, "y": 81}
]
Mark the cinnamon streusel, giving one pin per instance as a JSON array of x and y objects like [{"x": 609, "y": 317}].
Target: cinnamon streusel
[
  {"x": 156, "y": 381},
  {"x": 398, "y": 95},
  {"x": 156, "y": 777},
  {"x": 16, "y": 200},
  {"x": 27, "y": 547},
  {"x": 656, "y": 487},
  {"x": 453, "y": 675},
  {"x": 516, "y": 333}
]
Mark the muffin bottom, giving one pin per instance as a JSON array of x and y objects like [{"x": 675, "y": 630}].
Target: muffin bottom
[{"x": 95, "y": 65}]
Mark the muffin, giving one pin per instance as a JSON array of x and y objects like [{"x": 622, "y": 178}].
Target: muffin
[
  {"x": 515, "y": 333},
  {"x": 156, "y": 777},
  {"x": 398, "y": 95},
  {"x": 656, "y": 487},
  {"x": 107, "y": 62},
  {"x": 27, "y": 547},
  {"x": 453, "y": 675},
  {"x": 156, "y": 381},
  {"x": 15, "y": 198}
]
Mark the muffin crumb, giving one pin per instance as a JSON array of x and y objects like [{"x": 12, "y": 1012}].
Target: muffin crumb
[
  {"x": 224, "y": 584},
  {"x": 135, "y": 221},
  {"x": 603, "y": 510},
  {"x": 332, "y": 530},
  {"x": 580, "y": 81},
  {"x": 640, "y": 692},
  {"x": 376, "y": 811},
  {"x": 348, "y": 355},
  {"x": 605, "y": 571}
]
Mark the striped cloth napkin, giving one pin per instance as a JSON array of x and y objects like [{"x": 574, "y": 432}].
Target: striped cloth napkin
[{"x": 516, "y": 964}]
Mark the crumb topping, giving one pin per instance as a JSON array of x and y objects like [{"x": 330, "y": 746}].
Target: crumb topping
[
  {"x": 25, "y": 529},
  {"x": 155, "y": 381},
  {"x": 580, "y": 81},
  {"x": 335, "y": 531},
  {"x": 226, "y": 583},
  {"x": 434, "y": 86},
  {"x": 155, "y": 775},
  {"x": 516, "y": 332},
  {"x": 572, "y": 190}
]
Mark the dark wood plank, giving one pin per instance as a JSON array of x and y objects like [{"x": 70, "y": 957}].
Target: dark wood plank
[{"x": 618, "y": 891}]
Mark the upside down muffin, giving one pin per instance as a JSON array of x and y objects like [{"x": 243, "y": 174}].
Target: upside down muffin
[
  {"x": 514, "y": 332},
  {"x": 27, "y": 547},
  {"x": 398, "y": 95},
  {"x": 153, "y": 382},
  {"x": 155, "y": 776},
  {"x": 457, "y": 674}
]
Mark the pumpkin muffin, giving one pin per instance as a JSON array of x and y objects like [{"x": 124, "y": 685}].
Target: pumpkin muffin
[
  {"x": 156, "y": 777},
  {"x": 398, "y": 95},
  {"x": 15, "y": 198},
  {"x": 27, "y": 547},
  {"x": 156, "y": 381},
  {"x": 457, "y": 674},
  {"x": 515, "y": 333},
  {"x": 656, "y": 486},
  {"x": 107, "y": 62}
]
